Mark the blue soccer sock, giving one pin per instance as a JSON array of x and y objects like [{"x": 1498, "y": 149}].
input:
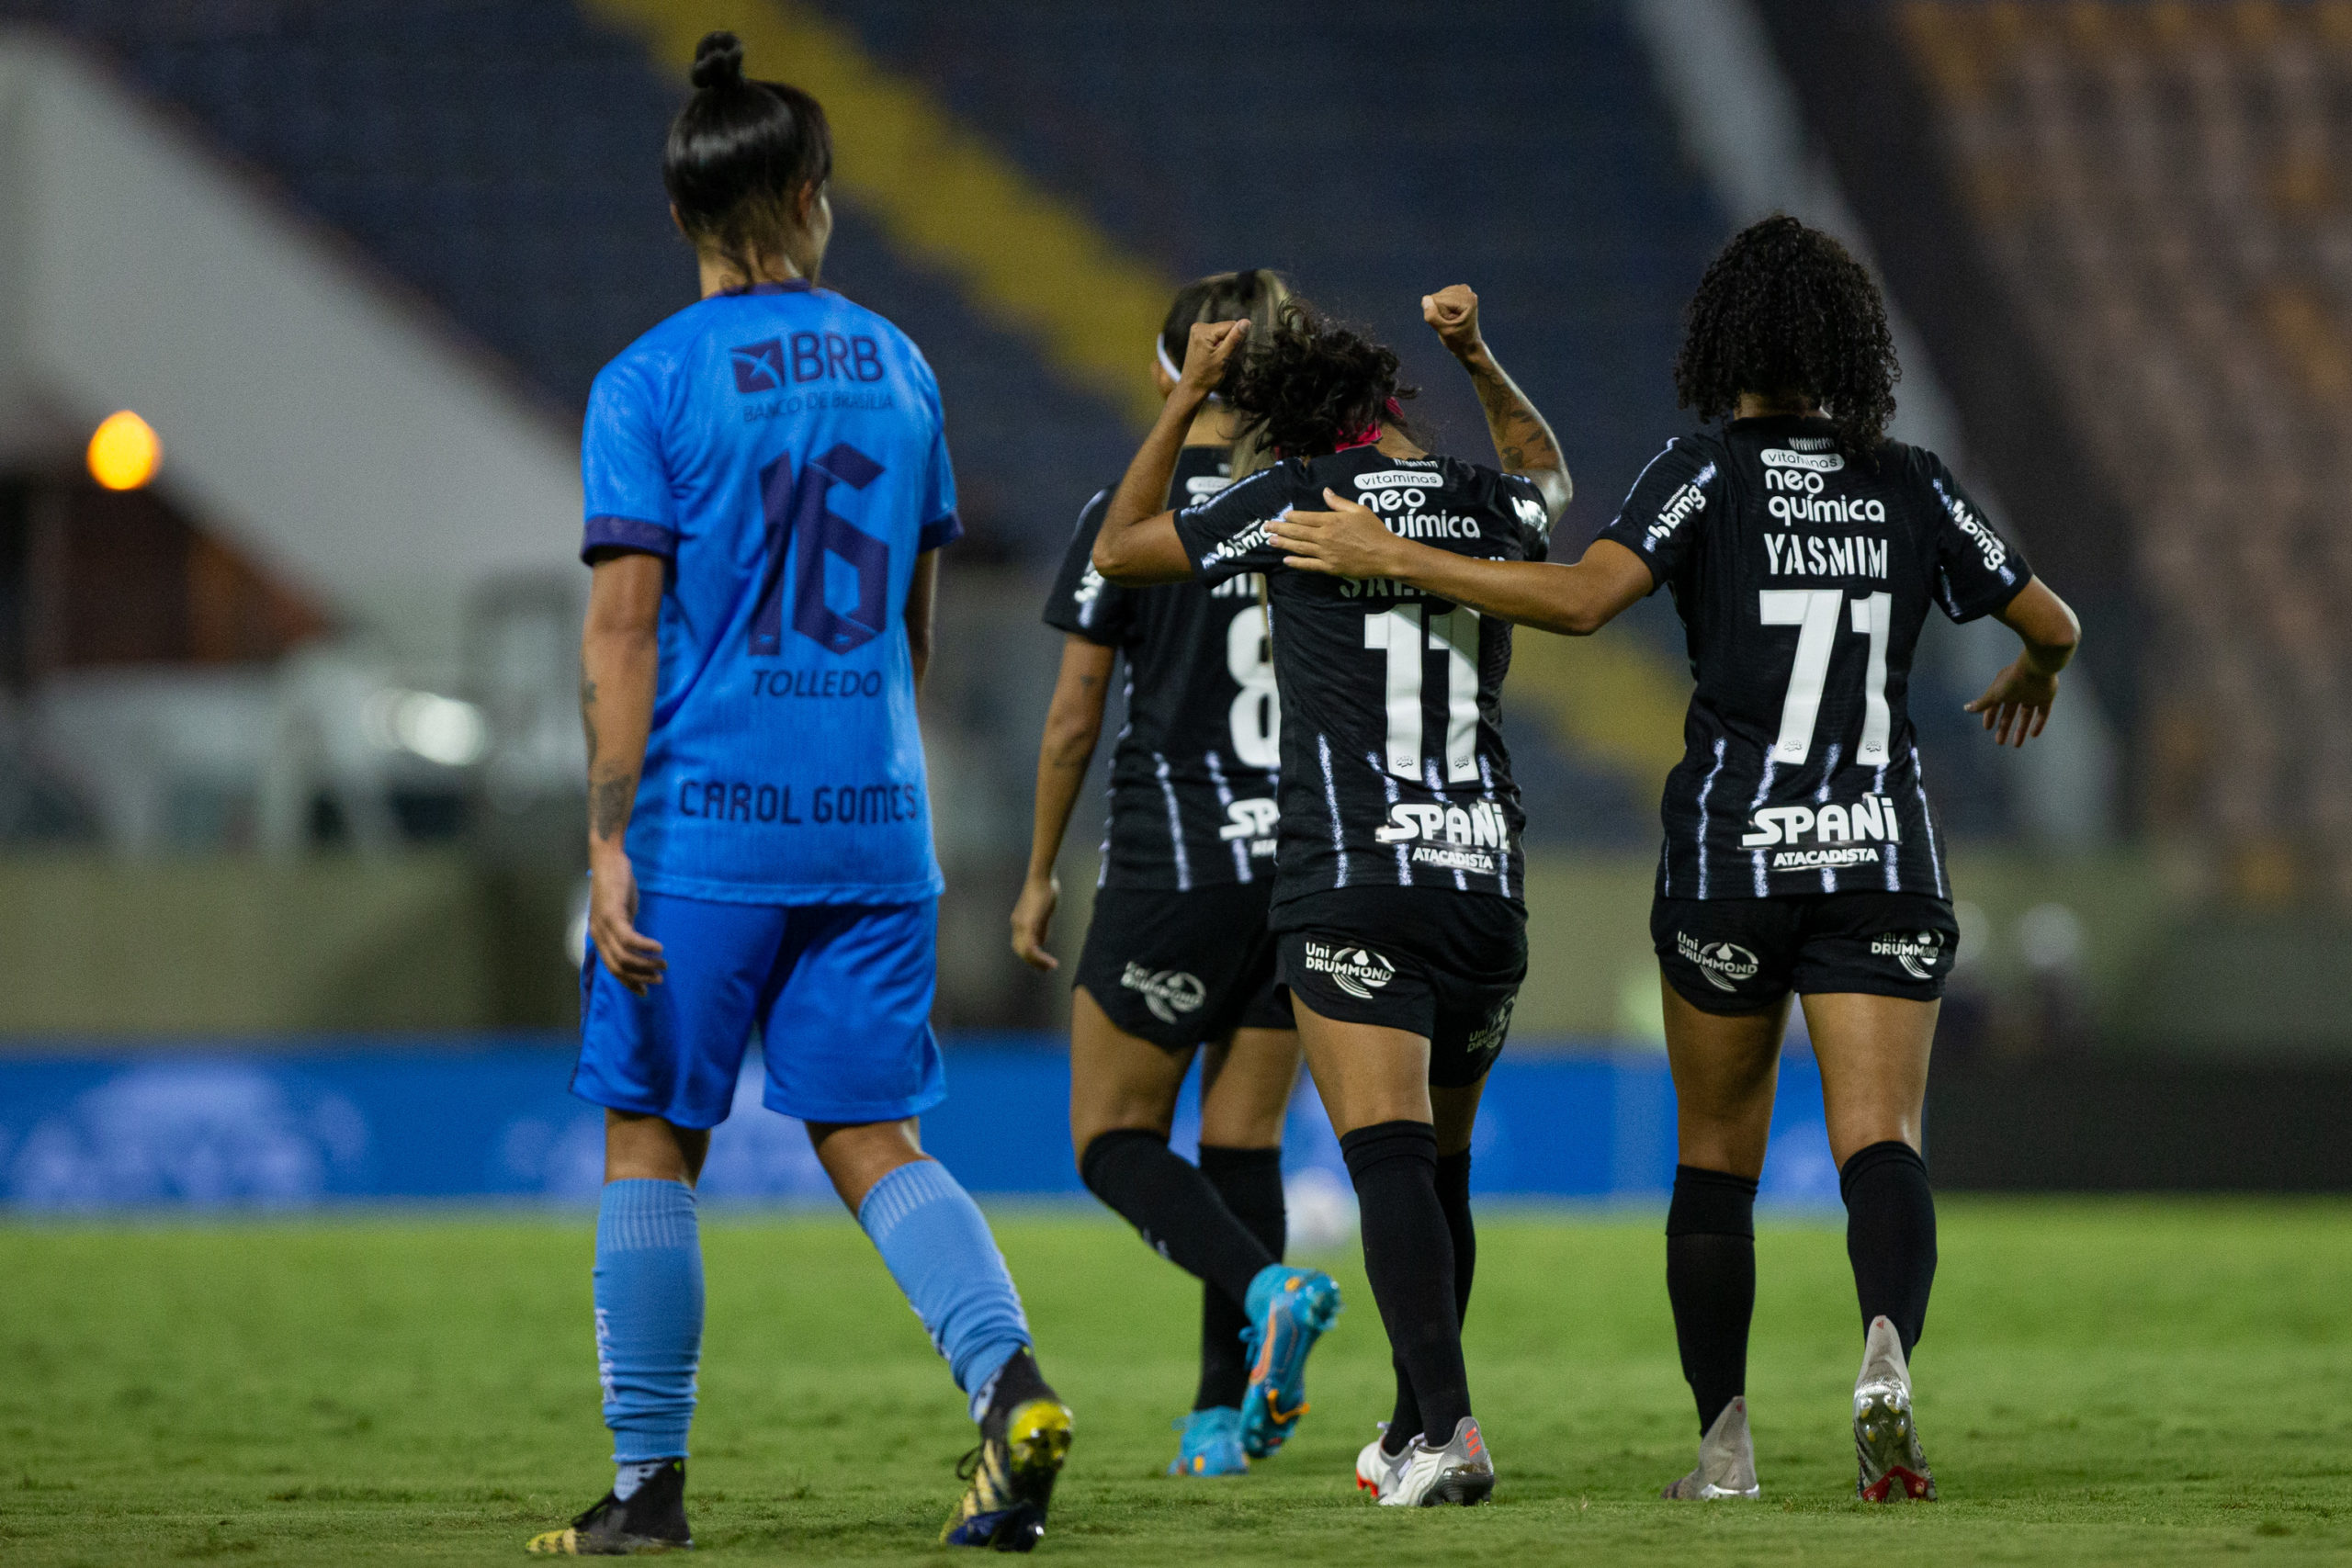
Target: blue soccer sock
[
  {"x": 649, "y": 1315},
  {"x": 938, "y": 1247}
]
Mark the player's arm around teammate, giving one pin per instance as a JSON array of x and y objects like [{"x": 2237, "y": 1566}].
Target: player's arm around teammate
[
  {"x": 1804, "y": 550},
  {"x": 1177, "y": 959}
]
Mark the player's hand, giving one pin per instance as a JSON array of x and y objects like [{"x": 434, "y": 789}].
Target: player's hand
[
  {"x": 1349, "y": 540},
  {"x": 1454, "y": 313},
  {"x": 634, "y": 958},
  {"x": 1210, "y": 348},
  {"x": 2017, "y": 701},
  {"x": 1033, "y": 920}
]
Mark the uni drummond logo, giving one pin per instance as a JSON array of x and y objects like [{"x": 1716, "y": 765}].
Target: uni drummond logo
[
  {"x": 1358, "y": 971},
  {"x": 1724, "y": 964},
  {"x": 1917, "y": 954},
  {"x": 1166, "y": 992}
]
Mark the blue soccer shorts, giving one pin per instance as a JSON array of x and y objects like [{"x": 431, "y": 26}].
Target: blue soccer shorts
[{"x": 841, "y": 994}]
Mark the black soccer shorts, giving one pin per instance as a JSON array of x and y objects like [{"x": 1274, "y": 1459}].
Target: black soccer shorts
[
  {"x": 1735, "y": 955},
  {"x": 1439, "y": 964},
  {"x": 1181, "y": 969}
]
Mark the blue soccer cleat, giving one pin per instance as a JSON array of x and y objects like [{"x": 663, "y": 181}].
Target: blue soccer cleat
[
  {"x": 1289, "y": 1310},
  {"x": 1211, "y": 1444}
]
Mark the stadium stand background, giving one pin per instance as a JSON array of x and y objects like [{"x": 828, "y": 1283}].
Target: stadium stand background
[{"x": 1020, "y": 189}]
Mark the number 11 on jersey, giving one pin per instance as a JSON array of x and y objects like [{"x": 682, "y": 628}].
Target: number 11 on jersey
[{"x": 1397, "y": 631}]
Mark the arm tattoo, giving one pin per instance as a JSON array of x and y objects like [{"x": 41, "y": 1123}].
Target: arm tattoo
[
  {"x": 588, "y": 718},
  {"x": 609, "y": 805},
  {"x": 1522, "y": 439}
]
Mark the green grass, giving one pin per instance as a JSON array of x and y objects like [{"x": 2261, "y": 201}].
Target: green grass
[{"x": 2101, "y": 1383}]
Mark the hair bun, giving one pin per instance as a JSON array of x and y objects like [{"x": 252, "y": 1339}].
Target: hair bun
[{"x": 718, "y": 61}]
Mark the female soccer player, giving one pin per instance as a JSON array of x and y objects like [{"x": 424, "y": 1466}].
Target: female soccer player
[
  {"x": 1178, "y": 954},
  {"x": 767, "y": 488},
  {"x": 1396, "y": 896},
  {"x": 1804, "y": 549}
]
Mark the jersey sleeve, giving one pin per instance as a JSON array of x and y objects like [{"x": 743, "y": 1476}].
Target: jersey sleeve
[
  {"x": 1518, "y": 495},
  {"x": 1228, "y": 533},
  {"x": 1977, "y": 570},
  {"x": 1658, "y": 521},
  {"x": 1082, "y": 603},
  {"x": 625, "y": 483},
  {"x": 941, "y": 526}
]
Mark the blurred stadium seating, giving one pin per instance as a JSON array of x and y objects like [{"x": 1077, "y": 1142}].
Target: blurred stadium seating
[{"x": 2119, "y": 229}]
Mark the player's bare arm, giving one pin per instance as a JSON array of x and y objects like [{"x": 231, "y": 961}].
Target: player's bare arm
[
  {"x": 923, "y": 602},
  {"x": 1073, "y": 724},
  {"x": 1138, "y": 545},
  {"x": 2016, "y": 704},
  {"x": 619, "y": 660},
  {"x": 1522, "y": 437},
  {"x": 1348, "y": 540}
]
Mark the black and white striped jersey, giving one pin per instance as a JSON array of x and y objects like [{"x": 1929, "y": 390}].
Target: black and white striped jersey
[
  {"x": 1393, "y": 769},
  {"x": 1802, "y": 578},
  {"x": 1193, "y": 774}
]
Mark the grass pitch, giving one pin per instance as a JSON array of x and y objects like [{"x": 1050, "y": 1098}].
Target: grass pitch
[{"x": 2100, "y": 1382}]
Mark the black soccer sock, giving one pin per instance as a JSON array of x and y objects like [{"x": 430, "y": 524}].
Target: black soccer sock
[
  {"x": 1251, "y": 1183},
  {"x": 1454, "y": 1195},
  {"x": 1711, "y": 1280},
  {"x": 1408, "y": 1253},
  {"x": 1165, "y": 1196},
  {"x": 1891, "y": 1235}
]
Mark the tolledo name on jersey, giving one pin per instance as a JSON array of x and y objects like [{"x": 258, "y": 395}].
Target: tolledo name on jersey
[
  {"x": 1451, "y": 838},
  {"x": 1825, "y": 837}
]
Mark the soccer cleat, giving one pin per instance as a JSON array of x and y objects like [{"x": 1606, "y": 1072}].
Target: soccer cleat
[
  {"x": 653, "y": 1519},
  {"x": 1378, "y": 1468},
  {"x": 1012, "y": 1475},
  {"x": 1459, "y": 1473},
  {"x": 1886, "y": 1439},
  {"x": 1211, "y": 1444},
  {"x": 1289, "y": 1310},
  {"x": 1726, "y": 1462}
]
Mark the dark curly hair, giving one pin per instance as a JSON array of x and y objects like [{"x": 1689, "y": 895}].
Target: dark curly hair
[
  {"x": 1784, "y": 309},
  {"x": 1309, "y": 383}
]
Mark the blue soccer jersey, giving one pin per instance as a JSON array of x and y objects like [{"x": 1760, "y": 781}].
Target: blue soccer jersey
[{"x": 782, "y": 448}]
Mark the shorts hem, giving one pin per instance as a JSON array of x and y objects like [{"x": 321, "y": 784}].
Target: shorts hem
[
  {"x": 856, "y": 1115},
  {"x": 1717, "y": 1005},
  {"x": 612, "y": 1101}
]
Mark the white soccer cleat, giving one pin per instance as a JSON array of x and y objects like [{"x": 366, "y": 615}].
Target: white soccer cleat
[
  {"x": 1726, "y": 1460},
  {"x": 1886, "y": 1439},
  {"x": 1459, "y": 1473},
  {"x": 1378, "y": 1468}
]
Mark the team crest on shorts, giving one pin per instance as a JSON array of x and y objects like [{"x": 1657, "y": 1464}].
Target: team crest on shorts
[
  {"x": 1917, "y": 954},
  {"x": 1724, "y": 964},
  {"x": 1166, "y": 992},
  {"x": 1358, "y": 971}
]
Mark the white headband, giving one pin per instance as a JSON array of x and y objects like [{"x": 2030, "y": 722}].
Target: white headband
[{"x": 1175, "y": 372}]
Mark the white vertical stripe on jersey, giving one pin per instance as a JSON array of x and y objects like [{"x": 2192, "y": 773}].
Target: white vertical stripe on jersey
[
  {"x": 1705, "y": 789},
  {"x": 1225, "y": 799},
  {"x": 1502, "y": 860},
  {"x": 1820, "y": 797},
  {"x": 1893, "y": 877},
  {"x": 1429, "y": 773},
  {"x": 1331, "y": 799},
  {"x": 1763, "y": 794},
  {"x": 1175, "y": 825},
  {"x": 1404, "y": 860},
  {"x": 1111, "y": 793},
  {"x": 1927, "y": 824}
]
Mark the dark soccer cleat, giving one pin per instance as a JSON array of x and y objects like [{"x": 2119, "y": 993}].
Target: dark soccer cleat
[
  {"x": 653, "y": 1519},
  {"x": 1012, "y": 1474},
  {"x": 1886, "y": 1439}
]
